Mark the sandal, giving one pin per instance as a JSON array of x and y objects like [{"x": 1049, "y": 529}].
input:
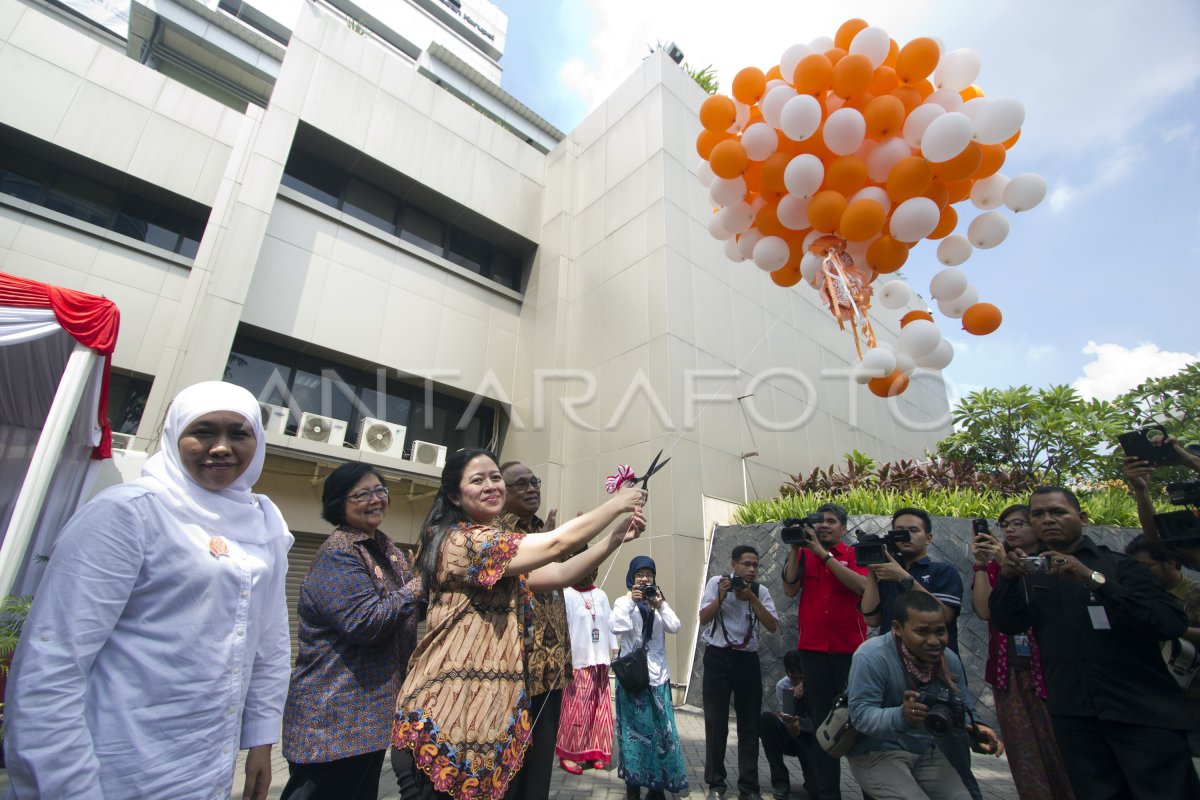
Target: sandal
[
  {"x": 574, "y": 768},
  {"x": 599, "y": 765}
]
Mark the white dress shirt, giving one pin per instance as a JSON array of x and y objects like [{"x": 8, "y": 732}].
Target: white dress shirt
[
  {"x": 627, "y": 625},
  {"x": 734, "y": 618},
  {"x": 146, "y": 661},
  {"x": 582, "y": 620}
]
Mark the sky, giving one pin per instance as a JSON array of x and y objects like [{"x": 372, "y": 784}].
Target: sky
[{"x": 1100, "y": 284}]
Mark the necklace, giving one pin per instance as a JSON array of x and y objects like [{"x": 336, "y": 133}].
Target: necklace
[{"x": 590, "y": 605}]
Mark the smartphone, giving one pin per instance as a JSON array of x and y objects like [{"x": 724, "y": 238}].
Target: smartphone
[{"x": 1137, "y": 444}]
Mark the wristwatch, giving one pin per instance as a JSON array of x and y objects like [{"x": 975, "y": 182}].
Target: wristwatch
[
  {"x": 907, "y": 583},
  {"x": 826, "y": 557},
  {"x": 1098, "y": 579}
]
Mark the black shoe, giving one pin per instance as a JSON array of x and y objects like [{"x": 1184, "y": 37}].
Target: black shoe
[
  {"x": 656, "y": 794},
  {"x": 716, "y": 794},
  {"x": 633, "y": 792},
  {"x": 749, "y": 796}
]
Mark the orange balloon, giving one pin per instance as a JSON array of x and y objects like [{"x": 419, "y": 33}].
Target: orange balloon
[
  {"x": 847, "y": 31},
  {"x": 749, "y": 85},
  {"x": 889, "y": 385},
  {"x": 992, "y": 159},
  {"x": 917, "y": 59},
  {"x": 883, "y": 81},
  {"x": 915, "y": 314},
  {"x": 970, "y": 93},
  {"x": 772, "y": 171},
  {"x": 767, "y": 221},
  {"x": 861, "y": 220},
  {"x": 959, "y": 190},
  {"x": 885, "y": 117},
  {"x": 962, "y": 166},
  {"x": 938, "y": 193},
  {"x": 893, "y": 54},
  {"x": 859, "y": 101},
  {"x": 909, "y": 178},
  {"x": 1010, "y": 141},
  {"x": 835, "y": 54},
  {"x": 813, "y": 74},
  {"x": 846, "y": 174},
  {"x": 981, "y": 319},
  {"x": 909, "y": 96},
  {"x": 787, "y": 275},
  {"x": 924, "y": 88},
  {"x": 851, "y": 75},
  {"x": 774, "y": 74},
  {"x": 708, "y": 139},
  {"x": 718, "y": 113},
  {"x": 728, "y": 159},
  {"x": 886, "y": 255},
  {"x": 946, "y": 223},
  {"x": 753, "y": 176},
  {"x": 825, "y": 210}
]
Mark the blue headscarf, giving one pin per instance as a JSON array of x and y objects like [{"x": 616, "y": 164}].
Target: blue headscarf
[{"x": 639, "y": 562}]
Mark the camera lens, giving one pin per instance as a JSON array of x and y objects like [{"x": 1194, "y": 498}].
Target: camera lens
[{"x": 938, "y": 721}]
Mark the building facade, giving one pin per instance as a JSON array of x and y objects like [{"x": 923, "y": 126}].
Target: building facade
[{"x": 336, "y": 206}]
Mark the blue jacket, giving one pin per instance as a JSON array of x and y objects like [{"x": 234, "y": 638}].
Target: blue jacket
[{"x": 877, "y": 686}]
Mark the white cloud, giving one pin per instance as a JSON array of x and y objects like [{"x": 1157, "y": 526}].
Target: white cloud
[
  {"x": 1115, "y": 369},
  {"x": 1039, "y": 353},
  {"x": 1118, "y": 166}
]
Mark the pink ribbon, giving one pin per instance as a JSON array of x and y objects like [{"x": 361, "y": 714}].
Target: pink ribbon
[{"x": 624, "y": 475}]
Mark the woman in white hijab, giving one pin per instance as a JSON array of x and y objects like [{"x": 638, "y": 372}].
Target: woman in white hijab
[{"x": 157, "y": 645}]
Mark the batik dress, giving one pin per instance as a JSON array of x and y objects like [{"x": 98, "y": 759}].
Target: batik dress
[{"x": 463, "y": 710}]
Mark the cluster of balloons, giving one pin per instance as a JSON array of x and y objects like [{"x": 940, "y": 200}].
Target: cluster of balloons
[{"x": 830, "y": 166}]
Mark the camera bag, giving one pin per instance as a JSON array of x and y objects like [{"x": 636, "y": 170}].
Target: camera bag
[
  {"x": 836, "y": 734},
  {"x": 633, "y": 668}
]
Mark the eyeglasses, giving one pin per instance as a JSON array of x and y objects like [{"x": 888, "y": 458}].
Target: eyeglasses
[
  {"x": 1012, "y": 523},
  {"x": 524, "y": 483},
  {"x": 379, "y": 492}
]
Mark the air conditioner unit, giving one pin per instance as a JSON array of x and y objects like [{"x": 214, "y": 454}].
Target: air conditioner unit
[
  {"x": 319, "y": 428},
  {"x": 381, "y": 437},
  {"x": 429, "y": 454},
  {"x": 122, "y": 441},
  {"x": 274, "y": 418}
]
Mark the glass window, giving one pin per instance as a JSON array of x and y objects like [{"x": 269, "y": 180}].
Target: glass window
[
  {"x": 388, "y": 406},
  {"x": 506, "y": 270},
  {"x": 373, "y": 206},
  {"x": 327, "y": 393},
  {"x": 468, "y": 251},
  {"x": 126, "y": 401},
  {"x": 83, "y": 199},
  {"x": 22, "y": 175},
  {"x": 316, "y": 178},
  {"x": 423, "y": 230},
  {"x": 265, "y": 379}
]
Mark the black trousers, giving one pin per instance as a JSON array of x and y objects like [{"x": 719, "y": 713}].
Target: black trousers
[
  {"x": 414, "y": 784},
  {"x": 825, "y": 676},
  {"x": 352, "y": 778},
  {"x": 731, "y": 672},
  {"x": 532, "y": 782},
  {"x": 777, "y": 742},
  {"x": 1118, "y": 761}
]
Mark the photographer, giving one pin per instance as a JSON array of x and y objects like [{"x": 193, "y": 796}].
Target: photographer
[
  {"x": 1137, "y": 474},
  {"x": 732, "y": 608},
  {"x": 789, "y": 732},
  {"x": 831, "y": 628},
  {"x": 908, "y": 696},
  {"x": 1119, "y": 717}
]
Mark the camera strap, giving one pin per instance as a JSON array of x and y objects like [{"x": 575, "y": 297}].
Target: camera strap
[{"x": 750, "y": 629}]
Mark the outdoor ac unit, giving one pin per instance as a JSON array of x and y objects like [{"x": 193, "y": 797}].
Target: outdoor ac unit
[
  {"x": 122, "y": 441},
  {"x": 274, "y": 418},
  {"x": 318, "y": 428},
  {"x": 429, "y": 454},
  {"x": 379, "y": 436}
]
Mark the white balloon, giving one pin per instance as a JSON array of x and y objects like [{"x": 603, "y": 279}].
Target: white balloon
[
  {"x": 972, "y": 107},
  {"x": 793, "y": 212},
  {"x": 958, "y": 306},
  {"x": 844, "y": 131},
  {"x": 1024, "y": 192},
  {"x": 727, "y": 191},
  {"x": 791, "y": 59},
  {"x": 988, "y": 229},
  {"x": 918, "y": 120},
  {"x": 732, "y": 251},
  {"x": 736, "y": 218},
  {"x": 747, "y": 241},
  {"x": 885, "y": 345},
  {"x": 878, "y": 362},
  {"x": 872, "y": 43},
  {"x": 918, "y": 338},
  {"x": 940, "y": 358},
  {"x": 758, "y": 202},
  {"x": 760, "y": 141},
  {"x": 833, "y": 102},
  {"x": 771, "y": 84},
  {"x": 956, "y": 70},
  {"x": 718, "y": 230},
  {"x": 948, "y": 99},
  {"x": 954, "y": 250},
  {"x": 810, "y": 268},
  {"x": 741, "y": 117},
  {"x": 803, "y": 175},
  {"x": 800, "y": 117},
  {"x": 998, "y": 120},
  {"x": 704, "y": 173},
  {"x": 988, "y": 193},
  {"x": 821, "y": 44},
  {"x": 812, "y": 236},
  {"x": 860, "y": 375},
  {"x": 948, "y": 284},
  {"x": 858, "y": 252},
  {"x": 773, "y": 102},
  {"x": 914, "y": 219},
  {"x": 885, "y": 156},
  {"x": 905, "y": 364},
  {"x": 946, "y": 137},
  {"x": 873, "y": 193},
  {"x": 894, "y": 294},
  {"x": 770, "y": 253}
]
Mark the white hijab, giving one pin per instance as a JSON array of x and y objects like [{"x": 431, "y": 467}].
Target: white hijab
[{"x": 234, "y": 512}]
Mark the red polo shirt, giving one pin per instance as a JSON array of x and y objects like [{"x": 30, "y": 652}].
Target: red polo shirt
[{"x": 830, "y": 621}]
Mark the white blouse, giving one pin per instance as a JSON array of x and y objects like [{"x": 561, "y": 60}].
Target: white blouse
[
  {"x": 586, "y": 612},
  {"x": 627, "y": 624},
  {"x": 147, "y": 661}
]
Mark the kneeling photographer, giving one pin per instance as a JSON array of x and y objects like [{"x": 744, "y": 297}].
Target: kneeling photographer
[{"x": 908, "y": 699}]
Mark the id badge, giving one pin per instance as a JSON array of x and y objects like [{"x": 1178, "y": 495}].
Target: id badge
[
  {"x": 1023, "y": 648},
  {"x": 1099, "y": 618},
  {"x": 595, "y": 635}
]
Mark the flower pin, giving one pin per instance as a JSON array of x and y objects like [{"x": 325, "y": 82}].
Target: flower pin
[{"x": 218, "y": 547}]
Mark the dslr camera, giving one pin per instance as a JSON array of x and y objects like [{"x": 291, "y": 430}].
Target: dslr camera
[
  {"x": 799, "y": 531},
  {"x": 649, "y": 591},
  {"x": 946, "y": 714},
  {"x": 1184, "y": 493},
  {"x": 872, "y": 548}
]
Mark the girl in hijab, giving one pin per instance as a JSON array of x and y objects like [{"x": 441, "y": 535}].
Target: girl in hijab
[
  {"x": 157, "y": 645},
  {"x": 650, "y": 755}
]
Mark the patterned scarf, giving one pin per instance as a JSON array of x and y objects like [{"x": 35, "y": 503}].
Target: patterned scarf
[{"x": 922, "y": 672}]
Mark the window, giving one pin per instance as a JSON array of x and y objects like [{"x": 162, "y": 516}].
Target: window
[
  {"x": 423, "y": 230},
  {"x": 314, "y": 177},
  {"x": 506, "y": 270},
  {"x": 370, "y": 204},
  {"x": 126, "y": 401},
  {"x": 469, "y": 251},
  {"x": 83, "y": 199}
]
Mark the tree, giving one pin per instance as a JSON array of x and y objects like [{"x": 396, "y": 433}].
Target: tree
[
  {"x": 706, "y": 77},
  {"x": 1173, "y": 402},
  {"x": 1051, "y": 435}
]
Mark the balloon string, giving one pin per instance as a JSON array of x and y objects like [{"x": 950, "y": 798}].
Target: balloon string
[{"x": 831, "y": 259}]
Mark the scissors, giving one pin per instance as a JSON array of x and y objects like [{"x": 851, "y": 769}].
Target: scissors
[{"x": 654, "y": 467}]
